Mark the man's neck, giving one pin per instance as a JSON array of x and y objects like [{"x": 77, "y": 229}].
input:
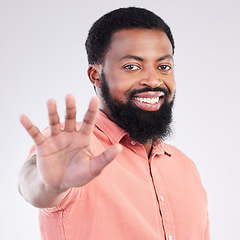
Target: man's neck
[{"x": 148, "y": 148}]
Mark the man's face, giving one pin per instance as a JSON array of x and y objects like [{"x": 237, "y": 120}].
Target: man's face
[{"x": 138, "y": 81}]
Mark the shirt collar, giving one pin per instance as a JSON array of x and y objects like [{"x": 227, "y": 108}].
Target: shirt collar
[
  {"x": 111, "y": 129},
  {"x": 163, "y": 148}
]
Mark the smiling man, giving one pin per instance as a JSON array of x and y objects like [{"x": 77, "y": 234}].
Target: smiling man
[{"x": 112, "y": 176}]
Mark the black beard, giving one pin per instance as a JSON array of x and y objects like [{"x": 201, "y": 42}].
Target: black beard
[{"x": 141, "y": 125}]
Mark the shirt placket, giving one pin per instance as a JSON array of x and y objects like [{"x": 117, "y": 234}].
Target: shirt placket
[{"x": 161, "y": 195}]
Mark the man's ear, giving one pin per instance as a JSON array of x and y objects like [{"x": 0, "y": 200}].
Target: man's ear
[{"x": 94, "y": 73}]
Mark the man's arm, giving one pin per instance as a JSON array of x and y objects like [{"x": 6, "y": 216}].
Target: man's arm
[{"x": 64, "y": 159}]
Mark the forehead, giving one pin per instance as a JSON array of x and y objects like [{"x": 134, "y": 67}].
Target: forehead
[{"x": 139, "y": 42}]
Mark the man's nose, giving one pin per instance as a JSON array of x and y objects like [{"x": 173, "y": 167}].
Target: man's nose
[{"x": 151, "y": 78}]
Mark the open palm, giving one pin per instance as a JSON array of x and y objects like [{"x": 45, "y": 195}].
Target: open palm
[{"x": 65, "y": 158}]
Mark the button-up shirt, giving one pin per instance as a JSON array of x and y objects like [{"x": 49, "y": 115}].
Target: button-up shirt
[{"x": 136, "y": 197}]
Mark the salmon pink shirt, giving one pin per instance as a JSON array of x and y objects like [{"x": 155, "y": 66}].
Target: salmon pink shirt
[{"x": 134, "y": 198}]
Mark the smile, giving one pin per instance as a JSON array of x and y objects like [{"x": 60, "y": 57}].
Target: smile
[
  {"x": 147, "y": 100},
  {"x": 150, "y": 100}
]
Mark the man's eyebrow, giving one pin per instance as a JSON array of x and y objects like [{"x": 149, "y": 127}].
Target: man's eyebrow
[
  {"x": 165, "y": 57},
  {"x": 132, "y": 57},
  {"x": 141, "y": 59}
]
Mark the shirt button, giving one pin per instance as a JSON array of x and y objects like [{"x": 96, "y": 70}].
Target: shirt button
[
  {"x": 133, "y": 143},
  {"x": 162, "y": 198},
  {"x": 170, "y": 237}
]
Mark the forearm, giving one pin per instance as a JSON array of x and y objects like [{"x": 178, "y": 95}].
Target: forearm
[{"x": 32, "y": 188}]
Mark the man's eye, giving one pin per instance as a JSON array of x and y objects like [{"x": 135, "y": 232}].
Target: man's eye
[
  {"x": 165, "y": 67},
  {"x": 131, "y": 67}
]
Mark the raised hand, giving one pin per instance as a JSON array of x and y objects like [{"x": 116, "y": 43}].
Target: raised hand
[{"x": 65, "y": 158}]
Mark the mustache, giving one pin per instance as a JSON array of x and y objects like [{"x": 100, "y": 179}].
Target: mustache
[{"x": 148, "y": 89}]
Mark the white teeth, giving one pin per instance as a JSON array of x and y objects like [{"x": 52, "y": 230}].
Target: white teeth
[{"x": 148, "y": 100}]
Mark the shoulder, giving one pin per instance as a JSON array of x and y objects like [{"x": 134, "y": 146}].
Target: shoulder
[{"x": 179, "y": 157}]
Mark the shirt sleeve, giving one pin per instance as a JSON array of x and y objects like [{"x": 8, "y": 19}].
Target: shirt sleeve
[{"x": 207, "y": 232}]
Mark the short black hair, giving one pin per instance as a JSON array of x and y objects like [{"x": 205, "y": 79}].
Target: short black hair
[{"x": 101, "y": 32}]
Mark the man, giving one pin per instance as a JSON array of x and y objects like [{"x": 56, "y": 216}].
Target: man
[{"x": 150, "y": 190}]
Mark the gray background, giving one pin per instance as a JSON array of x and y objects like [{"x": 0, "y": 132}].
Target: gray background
[{"x": 42, "y": 56}]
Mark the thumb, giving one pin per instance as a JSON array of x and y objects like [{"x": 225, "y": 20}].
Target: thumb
[{"x": 102, "y": 160}]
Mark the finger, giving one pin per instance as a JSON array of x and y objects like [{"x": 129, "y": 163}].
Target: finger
[
  {"x": 54, "y": 123},
  {"x": 32, "y": 130},
  {"x": 70, "y": 118},
  {"x": 101, "y": 161},
  {"x": 90, "y": 117}
]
